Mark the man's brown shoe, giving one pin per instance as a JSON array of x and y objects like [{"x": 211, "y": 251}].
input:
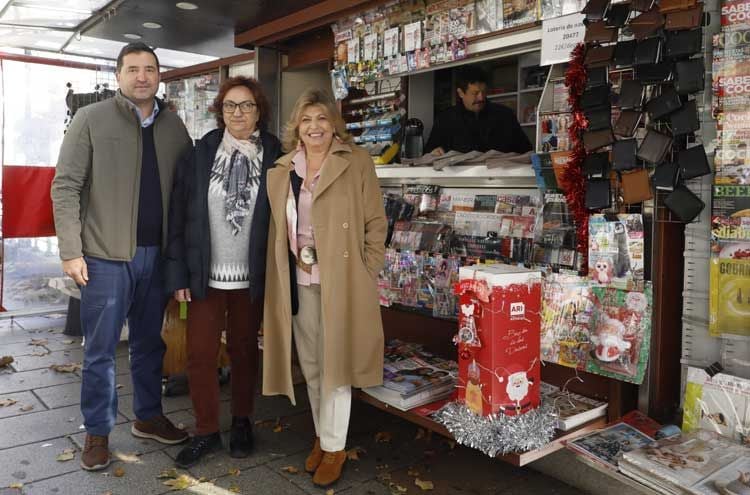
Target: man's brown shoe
[
  {"x": 330, "y": 468},
  {"x": 316, "y": 455},
  {"x": 160, "y": 429},
  {"x": 95, "y": 453}
]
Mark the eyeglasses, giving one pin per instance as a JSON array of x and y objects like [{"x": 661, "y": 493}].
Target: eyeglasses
[{"x": 245, "y": 106}]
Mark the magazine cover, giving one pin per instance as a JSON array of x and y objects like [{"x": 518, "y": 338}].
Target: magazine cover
[
  {"x": 734, "y": 15},
  {"x": 520, "y": 12},
  {"x": 616, "y": 251},
  {"x": 609, "y": 445},
  {"x": 732, "y": 479},
  {"x": 620, "y": 331},
  {"x": 686, "y": 460},
  {"x": 729, "y": 293},
  {"x": 486, "y": 16},
  {"x": 730, "y": 213},
  {"x": 411, "y": 375},
  {"x": 720, "y": 404},
  {"x": 566, "y": 311}
]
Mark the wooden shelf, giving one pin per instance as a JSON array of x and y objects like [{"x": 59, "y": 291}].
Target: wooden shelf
[
  {"x": 515, "y": 459},
  {"x": 512, "y": 176}
]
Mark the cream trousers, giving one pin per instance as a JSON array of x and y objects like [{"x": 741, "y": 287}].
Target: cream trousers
[{"x": 330, "y": 409}]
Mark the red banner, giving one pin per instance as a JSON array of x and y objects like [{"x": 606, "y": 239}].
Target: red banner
[{"x": 27, "y": 206}]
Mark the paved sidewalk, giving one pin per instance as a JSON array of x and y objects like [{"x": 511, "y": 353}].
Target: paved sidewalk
[{"x": 45, "y": 421}]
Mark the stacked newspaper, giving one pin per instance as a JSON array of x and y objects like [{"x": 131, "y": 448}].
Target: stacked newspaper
[{"x": 413, "y": 377}]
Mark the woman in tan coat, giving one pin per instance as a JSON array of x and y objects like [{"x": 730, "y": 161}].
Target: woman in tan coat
[{"x": 325, "y": 249}]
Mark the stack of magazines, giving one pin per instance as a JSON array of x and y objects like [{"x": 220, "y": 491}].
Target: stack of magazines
[
  {"x": 701, "y": 462},
  {"x": 413, "y": 377}
]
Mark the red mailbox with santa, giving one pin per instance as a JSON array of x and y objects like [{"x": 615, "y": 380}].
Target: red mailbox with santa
[{"x": 498, "y": 338}]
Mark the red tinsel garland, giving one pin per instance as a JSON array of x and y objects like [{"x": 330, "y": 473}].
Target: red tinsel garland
[{"x": 575, "y": 194}]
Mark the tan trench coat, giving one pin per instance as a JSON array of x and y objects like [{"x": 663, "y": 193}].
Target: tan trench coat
[{"x": 350, "y": 230}]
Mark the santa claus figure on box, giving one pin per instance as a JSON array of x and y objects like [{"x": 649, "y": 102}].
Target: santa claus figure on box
[{"x": 517, "y": 388}]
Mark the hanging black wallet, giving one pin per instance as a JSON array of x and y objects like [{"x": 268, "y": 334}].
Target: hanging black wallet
[
  {"x": 664, "y": 104},
  {"x": 654, "y": 73},
  {"x": 623, "y": 154},
  {"x": 684, "y": 204},
  {"x": 595, "y": 9},
  {"x": 683, "y": 44},
  {"x": 665, "y": 176},
  {"x": 647, "y": 51},
  {"x": 617, "y": 15},
  {"x": 689, "y": 76},
  {"x": 627, "y": 123},
  {"x": 595, "y": 97},
  {"x": 631, "y": 94},
  {"x": 596, "y": 165},
  {"x": 654, "y": 147},
  {"x": 593, "y": 140},
  {"x": 685, "y": 120},
  {"x": 624, "y": 52},
  {"x": 598, "y": 194},
  {"x": 693, "y": 162},
  {"x": 599, "y": 118},
  {"x": 596, "y": 76}
]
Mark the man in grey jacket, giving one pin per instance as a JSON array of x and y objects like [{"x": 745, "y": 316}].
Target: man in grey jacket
[{"x": 111, "y": 195}]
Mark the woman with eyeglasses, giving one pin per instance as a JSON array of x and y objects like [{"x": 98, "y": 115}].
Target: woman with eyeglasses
[{"x": 215, "y": 259}]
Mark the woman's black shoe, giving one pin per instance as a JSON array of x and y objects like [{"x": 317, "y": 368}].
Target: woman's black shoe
[
  {"x": 241, "y": 437},
  {"x": 197, "y": 448}
]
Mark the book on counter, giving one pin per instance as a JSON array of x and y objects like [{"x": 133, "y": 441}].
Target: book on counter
[
  {"x": 701, "y": 462},
  {"x": 606, "y": 447},
  {"x": 572, "y": 409}
]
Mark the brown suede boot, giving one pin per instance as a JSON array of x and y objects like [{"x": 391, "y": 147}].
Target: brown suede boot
[
  {"x": 330, "y": 468},
  {"x": 316, "y": 455},
  {"x": 95, "y": 453},
  {"x": 160, "y": 429}
]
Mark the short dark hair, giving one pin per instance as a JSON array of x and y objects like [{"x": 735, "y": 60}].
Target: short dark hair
[
  {"x": 135, "y": 47},
  {"x": 263, "y": 107},
  {"x": 470, "y": 74}
]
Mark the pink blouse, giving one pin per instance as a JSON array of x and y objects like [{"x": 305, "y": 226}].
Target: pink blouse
[{"x": 305, "y": 234}]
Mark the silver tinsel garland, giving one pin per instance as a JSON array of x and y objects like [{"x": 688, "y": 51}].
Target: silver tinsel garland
[{"x": 499, "y": 434}]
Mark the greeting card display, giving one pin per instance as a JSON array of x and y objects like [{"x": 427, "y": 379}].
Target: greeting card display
[
  {"x": 620, "y": 330},
  {"x": 616, "y": 251},
  {"x": 498, "y": 338}
]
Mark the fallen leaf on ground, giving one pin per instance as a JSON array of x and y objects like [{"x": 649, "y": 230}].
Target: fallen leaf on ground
[
  {"x": 5, "y": 361},
  {"x": 233, "y": 472},
  {"x": 17, "y": 486},
  {"x": 397, "y": 488},
  {"x": 7, "y": 402},
  {"x": 234, "y": 489},
  {"x": 68, "y": 342},
  {"x": 168, "y": 473},
  {"x": 424, "y": 484},
  {"x": 381, "y": 466},
  {"x": 353, "y": 453},
  {"x": 265, "y": 423},
  {"x": 330, "y": 491},
  {"x": 290, "y": 469},
  {"x": 66, "y": 368},
  {"x": 27, "y": 407},
  {"x": 67, "y": 455},
  {"x": 130, "y": 458},
  {"x": 119, "y": 472},
  {"x": 413, "y": 472},
  {"x": 40, "y": 353},
  {"x": 384, "y": 476},
  {"x": 182, "y": 482},
  {"x": 38, "y": 342},
  {"x": 383, "y": 436}
]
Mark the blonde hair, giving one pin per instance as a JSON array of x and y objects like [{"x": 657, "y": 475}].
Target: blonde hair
[{"x": 290, "y": 135}]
